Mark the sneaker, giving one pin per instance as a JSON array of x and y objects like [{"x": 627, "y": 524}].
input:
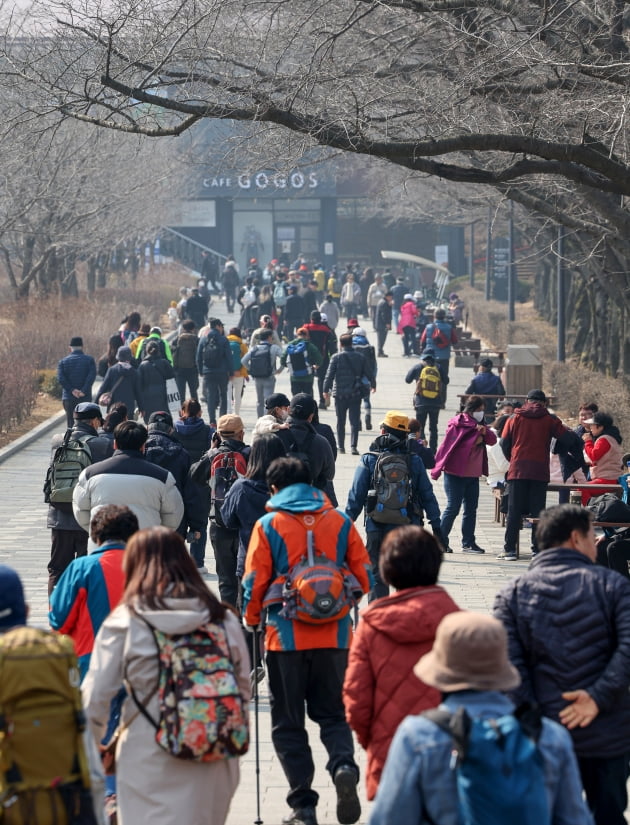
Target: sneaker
[
  {"x": 508, "y": 557},
  {"x": 348, "y": 805},
  {"x": 300, "y": 816},
  {"x": 472, "y": 548},
  {"x": 354, "y": 451}
]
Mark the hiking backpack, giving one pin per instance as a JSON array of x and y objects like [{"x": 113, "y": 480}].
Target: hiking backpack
[
  {"x": 316, "y": 590},
  {"x": 439, "y": 337},
  {"x": 391, "y": 499},
  {"x": 70, "y": 458},
  {"x": 279, "y": 295},
  {"x": 212, "y": 355},
  {"x": 297, "y": 356},
  {"x": 429, "y": 383},
  {"x": 185, "y": 351},
  {"x": 44, "y": 774},
  {"x": 607, "y": 507},
  {"x": 143, "y": 347},
  {"x": 226, "y": 466},
  {"x": 202, "y": 714},
  {"x": 615, "y": 552},
  {"x": 235, "y": 347},
  {"x": 260, "y": 361},
  {"x": 499, "y": 768}
]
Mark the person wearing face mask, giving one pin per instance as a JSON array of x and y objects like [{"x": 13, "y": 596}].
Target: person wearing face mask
[{"x": 463, "y": 459}]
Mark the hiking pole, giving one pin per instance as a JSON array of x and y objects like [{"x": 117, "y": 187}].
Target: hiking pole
[{"x": 258, "y": 820}]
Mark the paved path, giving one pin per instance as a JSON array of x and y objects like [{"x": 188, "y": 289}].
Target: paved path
[{"x": 471, "y": 580}]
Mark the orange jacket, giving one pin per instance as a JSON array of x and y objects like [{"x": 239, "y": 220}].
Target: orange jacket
[{"x": 278, "y": 542}]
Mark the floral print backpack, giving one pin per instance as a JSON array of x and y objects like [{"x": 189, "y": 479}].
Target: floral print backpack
[{"x": 202, "y": 713}]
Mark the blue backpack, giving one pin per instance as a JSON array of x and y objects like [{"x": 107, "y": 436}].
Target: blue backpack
[
  {"x": 236, "y": 355},
  {"x": 298, "y": 360},
  {"x": 499, "y": 768}
]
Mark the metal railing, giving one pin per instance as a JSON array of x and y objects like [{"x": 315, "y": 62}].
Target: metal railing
[{"x": 187, "y": 251}]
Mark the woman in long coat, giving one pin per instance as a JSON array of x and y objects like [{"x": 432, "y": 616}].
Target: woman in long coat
[
  {"x": 162, "y": 586},
  {"x": 153, "y": 373}
]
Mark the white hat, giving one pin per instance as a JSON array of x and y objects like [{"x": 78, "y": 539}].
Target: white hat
[
  {"x": 358, "y": 331},
  {"x": 408, "y": 297}
]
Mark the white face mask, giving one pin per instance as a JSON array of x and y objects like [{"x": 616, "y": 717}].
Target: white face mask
[
  {"x": 283, "y": 414},
  {"x": 478, "y": 416}
]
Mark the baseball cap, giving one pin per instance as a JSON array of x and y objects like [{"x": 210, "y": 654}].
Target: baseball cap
[
  {"x": 161, "y": 417},
  {"x": 86, "y": 411},
  {"x": 358, "y": 331},
  {"x": 12, "y": 604},
  {"x": 230, "y": 424},
  {"x": 396, "y": 420},
  {"x": 276, "y": 399},
  {"x": 536, "y": 395},
  {"x": 77, "y": 341},
  {"x": 302, "y": 405}
]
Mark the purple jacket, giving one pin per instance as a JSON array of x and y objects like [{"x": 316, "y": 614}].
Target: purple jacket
[{"x": 458, "y": 454}]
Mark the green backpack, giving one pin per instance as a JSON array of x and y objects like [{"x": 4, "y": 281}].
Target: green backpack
[{"x": 71, "y": 457}]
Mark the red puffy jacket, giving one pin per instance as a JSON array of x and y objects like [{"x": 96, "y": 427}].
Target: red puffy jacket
[{"x": 380, "y": 688}]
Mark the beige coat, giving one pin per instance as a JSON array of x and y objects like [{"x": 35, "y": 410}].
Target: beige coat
[{"x": 153, "y": 786}]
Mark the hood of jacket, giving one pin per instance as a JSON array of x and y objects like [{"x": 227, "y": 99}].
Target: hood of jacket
[
  {"x": 163, "y": 444},
  {"x": 189, "y": 426},
  {"x": 235, "y": 338},
  {"x": 389, "y": 442},
  {"x": 613, "y": 432},
  {"x": 299, "y": 498},
  {"x": 180, "y": 616},
  {"x": 532, "y": 409},
  {"x": 406, "y": 617}
]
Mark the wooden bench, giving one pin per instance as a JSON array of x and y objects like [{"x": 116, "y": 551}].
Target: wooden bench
[{"x": 499, "y": 517}]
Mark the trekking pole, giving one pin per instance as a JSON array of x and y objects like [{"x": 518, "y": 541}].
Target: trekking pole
[{"x": 258, "y": 820}]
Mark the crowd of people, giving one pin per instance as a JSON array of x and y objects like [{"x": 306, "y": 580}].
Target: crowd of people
[{"x": 292, "y": 568}]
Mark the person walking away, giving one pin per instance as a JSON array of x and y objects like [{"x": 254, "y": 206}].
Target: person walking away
[
  {"x": 230, "y": 282},
  {"x": 240, "y": 375},
  {"x": 121, "y": 383},
  {"x": 567, "y": 621},
  {"x": 602, "y": 447},
  {"x": 135, "y": 345},
  {"x": 305, "y": 662},
  {"x": 383, "y": 322},
  {"x": 407, "y": 324},
  {"x": 348, "y": 377},
  {"x": 302, "y": 440},
  {"x": 526, "y": 442},
  {"x": 427, "y": 396},
  {"x": 261, "y": 361},
  {"x": 329, "y": 308},
  {"x": 215, "y": 365},
  {"x": 322, "y": 337},
  {"x": 210, "y": 272},
  {"x": 196, "y": 308},
  {"x": 440, "y": 336},
  {"x": 422, "y": 781},
  {"x": 376, "y": 293},
  {"x": 350, "y": 297},
  {"x": 185, "y": 361},
  {"x": 395, "y": 493},
  {"x": 334, "y": 286},
  {"x": 365, "y": 282},
  {"x": 302, "y": 358},
  {"x": 294, "y": 313},
  {"x": 69, "y": 540},
  {"x": 75, "y": 374},
  {"x": 164, "y": 598},
  {"x": 266, "y": 322},
  {"x": 220, "y": 468},
  {"x": 463, "y": 458},
  {"x": 109, "y": 358},
  {"x": 399, "y": 290},
  {"x": 155, "y": 336},
  {"x": 245, "y": 502},
  {"x": 361, "y": 345},
  {"x": 195, "y": 436},
  {"x": 485, "y": 382},
  {"x": 379, "y": 689},
  {"x": 153, "y": 373}
]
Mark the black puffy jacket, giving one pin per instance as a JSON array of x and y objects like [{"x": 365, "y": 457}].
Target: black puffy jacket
[{"x": 568, "y": 624}]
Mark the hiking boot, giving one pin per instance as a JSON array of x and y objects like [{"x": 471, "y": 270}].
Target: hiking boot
[
  {"x": 368, "y": 422},
  {"x": 300, "y": 816},
  {"x": 472, "y": 548},
  {"x": 348, "y": 805}
]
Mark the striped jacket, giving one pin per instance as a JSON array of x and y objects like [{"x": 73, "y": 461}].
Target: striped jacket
[
  {"x": 278, "y": 542},
  {"x": 88, "y": 590}
]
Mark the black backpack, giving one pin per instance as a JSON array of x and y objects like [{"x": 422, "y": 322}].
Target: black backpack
[
  {"x": 212, "y": 356},
  {"x": 260, "y": 361},
  {"x": 143, "y": 347},
  {"x": 615, "y": 553},
  {"x": 185, "y": 351},
  {"x": 608, "y": 507}
]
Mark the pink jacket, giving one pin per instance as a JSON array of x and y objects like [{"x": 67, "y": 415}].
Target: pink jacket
[
  {"x": 459, "y": 454},
  {"x": 408, "y": 315}
]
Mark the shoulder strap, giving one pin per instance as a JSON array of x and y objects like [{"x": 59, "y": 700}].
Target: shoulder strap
[
  {"x": 142, "y": 706},
  {"x": 457, "y": 725}
]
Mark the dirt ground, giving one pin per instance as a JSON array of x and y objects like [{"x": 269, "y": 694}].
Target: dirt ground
[{"x": 45, "y": 407}]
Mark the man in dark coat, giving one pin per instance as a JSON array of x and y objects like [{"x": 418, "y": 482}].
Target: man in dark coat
[
  {"x": 302, "y": 440},
  {"x": 383, "y": 321},
  {"x": 76, "y": 373},
  {"x": 69, "y": 539},
  {"x": 568, "y": 625},
  {"x": 215, "y": 365}
]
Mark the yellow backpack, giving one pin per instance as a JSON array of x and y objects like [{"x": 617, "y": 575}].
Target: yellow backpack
[{"x": 44, "y": 775}]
